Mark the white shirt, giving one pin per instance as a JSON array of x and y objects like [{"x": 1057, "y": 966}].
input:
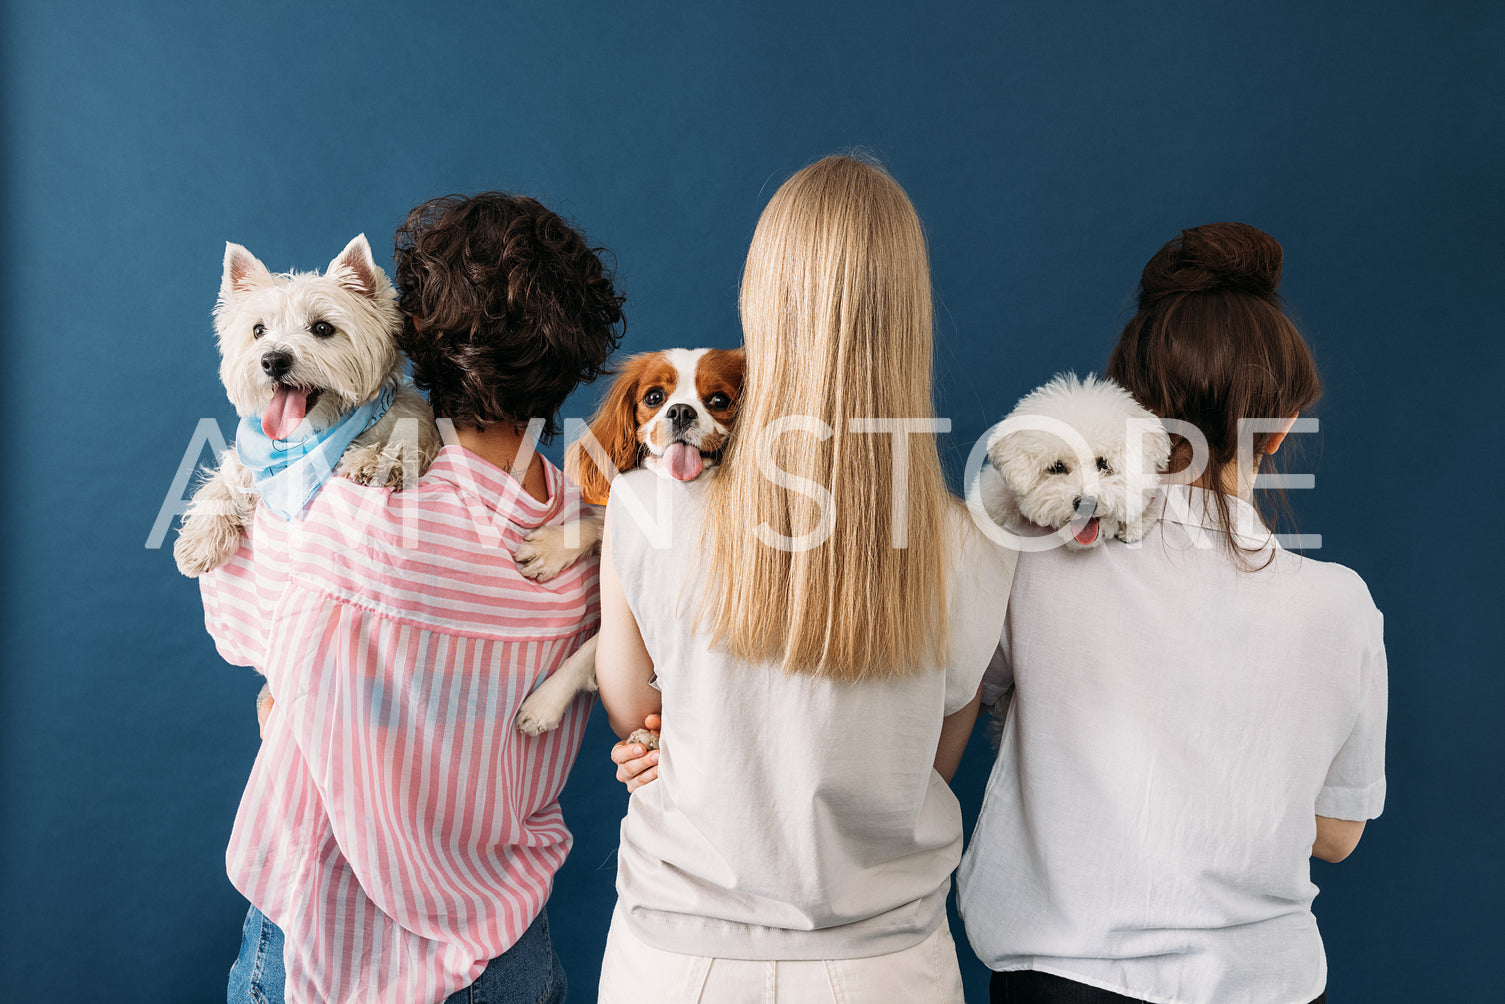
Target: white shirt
[
  {"x": 794, "y": 817},
  {"x": 1176, "y": 725}
]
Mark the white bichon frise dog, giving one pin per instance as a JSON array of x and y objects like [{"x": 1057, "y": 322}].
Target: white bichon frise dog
[
  {"x": 311, "y": 364},
  {"x": 1080, "y": 457}
]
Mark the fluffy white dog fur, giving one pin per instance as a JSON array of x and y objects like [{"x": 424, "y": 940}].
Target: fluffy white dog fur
[
  {"x": 340, "y": 331},
  {"x": 1080, "y": 457}
]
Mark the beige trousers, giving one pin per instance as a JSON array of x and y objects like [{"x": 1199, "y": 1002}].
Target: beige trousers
[{"x": 633, "y": 973}]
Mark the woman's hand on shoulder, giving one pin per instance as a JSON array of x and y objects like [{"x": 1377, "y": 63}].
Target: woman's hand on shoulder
[{"x": 637, "y": 765}]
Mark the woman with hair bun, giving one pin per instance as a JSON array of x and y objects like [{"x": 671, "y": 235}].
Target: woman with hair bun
[{"x": 1189, "y": 720}]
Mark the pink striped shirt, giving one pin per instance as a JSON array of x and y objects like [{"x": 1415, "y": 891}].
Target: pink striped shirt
[{"x": 395, "y": 825}]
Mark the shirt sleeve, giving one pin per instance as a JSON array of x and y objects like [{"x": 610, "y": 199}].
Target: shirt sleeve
[
  {"x": 1355, "y": 785},
  {"x": 978, "y": 605},
  {"x": 233, "y": 613},
  {"x": 998, "y": 679}
]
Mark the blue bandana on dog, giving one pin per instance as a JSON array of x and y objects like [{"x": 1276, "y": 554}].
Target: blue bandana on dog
[{"x": 289, "y": 472}]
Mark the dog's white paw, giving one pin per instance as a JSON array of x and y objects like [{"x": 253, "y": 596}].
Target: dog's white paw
[
  {"x": 206, "y": 542},
  {"x": 1132, "y": 530},
  {"x": 408, "y": 458},
  {"x": 543, "y": 553},
  {"x": 373, "y": 465},
  {"x": 541, "y": 712},
  {"x": 1135, "y": 527}
]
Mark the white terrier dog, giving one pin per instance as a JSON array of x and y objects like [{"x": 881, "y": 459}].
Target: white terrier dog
[
  {"x": 1080, "y": 457},
  {"x": 311, "y": 364}
]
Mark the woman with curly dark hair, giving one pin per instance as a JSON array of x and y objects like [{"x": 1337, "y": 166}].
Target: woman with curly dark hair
[
  {"x": 507, "y": 309},
  {"x": 398, "y": 838}
]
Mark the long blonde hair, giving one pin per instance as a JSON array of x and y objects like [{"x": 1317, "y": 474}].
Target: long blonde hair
[{"x": 836, "y": 315}]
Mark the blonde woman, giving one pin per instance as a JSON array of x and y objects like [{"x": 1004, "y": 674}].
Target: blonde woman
[{"x": 807, "y": 621}]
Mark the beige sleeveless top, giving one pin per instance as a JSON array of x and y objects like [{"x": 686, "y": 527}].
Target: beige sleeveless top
[{"x": 794, "y": 817}]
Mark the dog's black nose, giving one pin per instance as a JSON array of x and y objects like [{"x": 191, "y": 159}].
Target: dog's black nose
[
  {"x": 274, "y": 364},
  {"x": 1085, "y": 506},
  {"x": 680, "y": 416}
]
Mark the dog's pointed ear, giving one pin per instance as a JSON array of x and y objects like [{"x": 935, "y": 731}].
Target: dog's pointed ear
[
  {"x": 614, "y": 426},
  {"x": 355, "y": 269},
  {"x": 243, "y": 272}
]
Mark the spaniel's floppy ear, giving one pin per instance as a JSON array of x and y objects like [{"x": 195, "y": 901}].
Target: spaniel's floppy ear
[
  {"x": 1156, "y": 445},
  {"x": 615, "y": 427},
  {"x": 1021, "y": 456},
  {"x": 736, "y": 360},
  {"x": 733, "y": 365}
]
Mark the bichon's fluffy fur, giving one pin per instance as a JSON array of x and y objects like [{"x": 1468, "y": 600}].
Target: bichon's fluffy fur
[
  {"x": 316, "y": 346},
  {"x": 1080, "y": 457}
]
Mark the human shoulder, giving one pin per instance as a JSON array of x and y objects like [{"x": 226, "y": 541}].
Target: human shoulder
[
  {"x": 374, "y": 517},
  {"x": 440, "y": 555},
  {"x": 1332, "y": 590},
  {"x": 981, "y": 565},
  {"x": 644, "y": 484},
  {"x": 639, "y": 481},
  {"x": 462, "y": 518},
  {"x": 644, "y": 506}
]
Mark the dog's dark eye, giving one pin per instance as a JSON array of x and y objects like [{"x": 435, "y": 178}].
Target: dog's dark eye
[
  {"x": 719, "y": 402},
  {"x": 1102, "y": 465},
  {"x": 323, "y": 329},
  {"x": 653, "y": 398},
  {"x": 1059, "y": 467},
  {"x": 258, "y": 331}
]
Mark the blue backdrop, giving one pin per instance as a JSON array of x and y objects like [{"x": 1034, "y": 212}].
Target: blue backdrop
[{"x": 1050, "y": 147}]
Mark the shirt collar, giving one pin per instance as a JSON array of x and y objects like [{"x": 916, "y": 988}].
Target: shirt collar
[
  {"x": 1191, "y": 506},
  {"x": 496, "y": 489}
]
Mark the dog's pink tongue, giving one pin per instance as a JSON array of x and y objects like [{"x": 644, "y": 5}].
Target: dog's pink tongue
[
  {"x": 1087, "y": 534},
  {"x": 683, "y": 461},
  {"x": 285, "y": 413}
]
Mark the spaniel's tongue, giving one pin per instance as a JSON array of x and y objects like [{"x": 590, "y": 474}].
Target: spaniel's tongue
[
  {"x": 285, "y": 413},
  {"x": 683, "y": 461},
  {"x": 1086, "y": 534}
]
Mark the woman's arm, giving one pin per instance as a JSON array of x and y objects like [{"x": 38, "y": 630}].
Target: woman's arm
[
  {"x": 956, "y": 729},
  {"x": 1336, "y": 838},
  {"x": 623, "y": 666}
]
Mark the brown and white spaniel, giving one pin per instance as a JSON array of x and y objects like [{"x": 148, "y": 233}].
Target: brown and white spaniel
[{"x": 668, "y": 411}]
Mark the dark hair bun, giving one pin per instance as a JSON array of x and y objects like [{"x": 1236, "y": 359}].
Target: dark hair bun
[{"x": 1218, "y": 256}]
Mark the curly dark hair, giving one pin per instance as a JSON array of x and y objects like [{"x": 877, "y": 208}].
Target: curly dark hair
[{"x": 506, "y": 308}]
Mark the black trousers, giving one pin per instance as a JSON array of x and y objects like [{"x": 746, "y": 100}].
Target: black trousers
[{"x": 1026, "y": 986}]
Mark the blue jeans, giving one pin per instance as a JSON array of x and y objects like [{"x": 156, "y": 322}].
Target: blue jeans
[{"x": 527, "y": 973}]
